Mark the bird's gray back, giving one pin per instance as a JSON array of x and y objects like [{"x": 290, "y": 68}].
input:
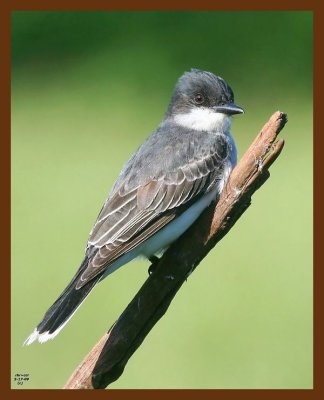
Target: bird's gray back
[{"x": 168, "y": 149}]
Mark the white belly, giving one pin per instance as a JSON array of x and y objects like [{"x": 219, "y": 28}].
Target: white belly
[
  {"x": 167, "y": 235},
  {"x": 177, "y": 227},
  {"x": 171, "y": 232}
]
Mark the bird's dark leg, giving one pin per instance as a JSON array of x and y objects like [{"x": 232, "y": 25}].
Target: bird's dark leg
[{"x": 154, "y": 261}]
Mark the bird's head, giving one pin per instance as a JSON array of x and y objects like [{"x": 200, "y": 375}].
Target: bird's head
[{"x": 202, "y": 100}]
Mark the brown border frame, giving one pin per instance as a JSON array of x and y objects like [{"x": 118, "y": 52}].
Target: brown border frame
[{"x": 6, "y": 7}]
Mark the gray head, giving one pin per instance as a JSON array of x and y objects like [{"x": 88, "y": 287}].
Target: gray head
[{"x": 202, "y": 90}]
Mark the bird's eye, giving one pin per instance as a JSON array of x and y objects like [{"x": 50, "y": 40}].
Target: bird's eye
[{"x": 199, "y": 98}]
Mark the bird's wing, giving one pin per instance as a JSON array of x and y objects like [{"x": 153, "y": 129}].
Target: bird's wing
[{"x": 130, "y": 217}]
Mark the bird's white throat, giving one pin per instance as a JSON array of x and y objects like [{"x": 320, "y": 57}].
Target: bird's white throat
[{"x": 204, "y": 119}]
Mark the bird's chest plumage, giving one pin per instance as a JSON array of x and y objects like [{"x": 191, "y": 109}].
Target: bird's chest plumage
[
  {"x": 223, "y": 153},
  {"x": 229, "y": 162}
]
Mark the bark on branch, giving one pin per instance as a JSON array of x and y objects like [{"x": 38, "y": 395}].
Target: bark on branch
[{"x": 106, "y": 361}]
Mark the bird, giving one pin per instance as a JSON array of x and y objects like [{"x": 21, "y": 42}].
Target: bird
[{"x": 160, "y": 192}]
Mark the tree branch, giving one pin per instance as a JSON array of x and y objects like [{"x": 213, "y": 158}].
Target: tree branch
[{"x": 106, "y": 361}]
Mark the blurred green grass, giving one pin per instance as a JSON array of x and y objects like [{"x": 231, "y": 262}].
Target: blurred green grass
[{"x": 87, "y": 89}]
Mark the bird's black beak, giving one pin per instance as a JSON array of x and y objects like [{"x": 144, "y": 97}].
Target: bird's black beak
[{"x": 229, "y": 108}]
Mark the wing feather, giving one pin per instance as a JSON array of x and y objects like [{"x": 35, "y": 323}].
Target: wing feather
[{"x": 134, "y": 214}]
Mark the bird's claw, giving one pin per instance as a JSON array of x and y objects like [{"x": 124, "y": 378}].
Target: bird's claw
[{"x": 154, "y": 262}]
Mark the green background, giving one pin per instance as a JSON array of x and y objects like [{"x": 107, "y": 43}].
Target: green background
[{"x": 87, "y": 89}]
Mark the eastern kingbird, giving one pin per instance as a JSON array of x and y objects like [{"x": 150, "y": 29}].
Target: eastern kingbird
[{"x": 162, "y": 189}]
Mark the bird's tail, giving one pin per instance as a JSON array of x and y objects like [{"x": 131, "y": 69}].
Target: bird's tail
[{"x": 58, "y": 315}]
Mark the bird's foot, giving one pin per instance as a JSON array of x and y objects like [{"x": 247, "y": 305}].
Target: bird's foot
[{"x": 154, "y": 262}]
